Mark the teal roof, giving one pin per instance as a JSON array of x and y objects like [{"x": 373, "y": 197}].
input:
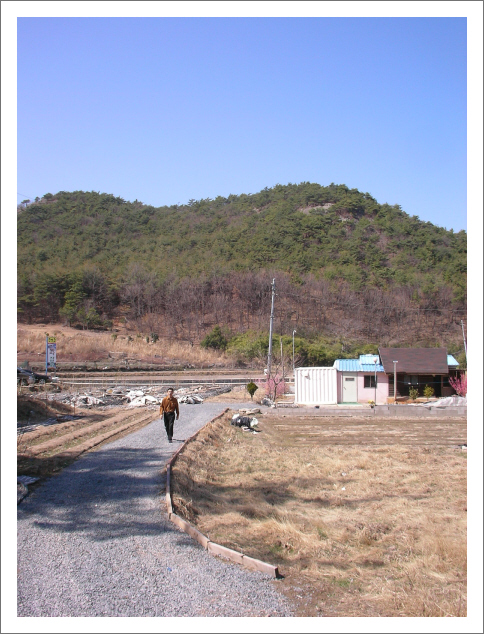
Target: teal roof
[
  {"x": 356, "y": 365},
  {"x": 366, "y": 364}
]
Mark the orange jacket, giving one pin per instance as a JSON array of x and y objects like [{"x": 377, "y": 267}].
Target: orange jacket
[{"x": 169, "y": 405}]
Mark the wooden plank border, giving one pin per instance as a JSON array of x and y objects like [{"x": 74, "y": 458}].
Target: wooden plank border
[{"x": 203, "y": 540}]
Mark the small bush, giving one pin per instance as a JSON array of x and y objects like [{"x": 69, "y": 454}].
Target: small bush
[
  {"x": 252, "y": 389},
  {"x": 428, "y": 391},
  {"x": 413, "y": 393}
]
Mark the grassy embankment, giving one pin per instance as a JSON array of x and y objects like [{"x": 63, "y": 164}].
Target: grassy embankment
[{"x": 78, "y": 346}]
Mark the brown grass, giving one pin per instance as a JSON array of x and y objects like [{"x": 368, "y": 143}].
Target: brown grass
[
  {"x": 357, "y": 529},
  {"x": 32, "y": 408},
  {"x": 87, "y": 345}
]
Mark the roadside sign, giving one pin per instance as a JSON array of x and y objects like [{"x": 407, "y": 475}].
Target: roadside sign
[{"x": 50, "y": 353}]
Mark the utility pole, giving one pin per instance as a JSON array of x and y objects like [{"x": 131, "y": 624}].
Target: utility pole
[
  {"x": 375, "y": 379},
  {"x": 282, "y": 361},
  {"x": 293, "y": 364},
  {"x": 463, "y": 334},
  {"x": 395, "y": 381},
  {"x": 269, "y": 356}
]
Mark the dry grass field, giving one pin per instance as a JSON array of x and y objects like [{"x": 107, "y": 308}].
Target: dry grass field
[
  {"x": 87, "y": 345},
  {"x": 363, "y": 517}
]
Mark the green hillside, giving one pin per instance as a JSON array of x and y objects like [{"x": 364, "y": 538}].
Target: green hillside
[
  {"x": 333, "y": 232},
  {"x": 346, "y": 265}
]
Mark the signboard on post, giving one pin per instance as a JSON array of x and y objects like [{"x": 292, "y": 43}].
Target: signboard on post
[{"x": 50, "y": 354}]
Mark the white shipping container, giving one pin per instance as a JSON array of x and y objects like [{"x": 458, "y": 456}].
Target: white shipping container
[{"x": 316, "y": 386}]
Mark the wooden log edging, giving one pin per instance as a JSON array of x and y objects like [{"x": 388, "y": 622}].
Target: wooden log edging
[{"x": 203, "y": 540}]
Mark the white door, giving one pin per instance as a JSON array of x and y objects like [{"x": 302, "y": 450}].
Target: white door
[{"x": 350, "y": 392}]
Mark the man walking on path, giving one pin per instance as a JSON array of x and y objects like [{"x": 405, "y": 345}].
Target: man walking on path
[{"x": 168, "y": 409}]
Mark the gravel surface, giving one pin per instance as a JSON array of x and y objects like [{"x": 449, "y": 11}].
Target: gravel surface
[{"x": 95, "y": 540}]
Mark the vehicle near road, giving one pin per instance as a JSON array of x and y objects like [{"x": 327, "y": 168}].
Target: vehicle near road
[{"x": 29, "y": 377}]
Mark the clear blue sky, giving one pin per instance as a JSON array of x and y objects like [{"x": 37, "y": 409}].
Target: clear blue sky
[
  {"x": 167, "y": 109},
  {"x": 164, "y": 110}
]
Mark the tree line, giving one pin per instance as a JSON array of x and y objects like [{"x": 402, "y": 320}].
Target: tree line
[{"x": 189, "y": 308}]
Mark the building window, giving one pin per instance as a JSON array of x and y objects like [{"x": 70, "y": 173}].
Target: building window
[
  {"x": 370, "y": 380},
  {"x": 410, "y": 379}
]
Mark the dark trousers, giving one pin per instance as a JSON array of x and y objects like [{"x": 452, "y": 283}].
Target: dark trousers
[{"x": 169, "y": 420}]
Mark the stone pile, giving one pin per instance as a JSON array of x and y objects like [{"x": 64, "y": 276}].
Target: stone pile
[{"x": 142, "y": 397}]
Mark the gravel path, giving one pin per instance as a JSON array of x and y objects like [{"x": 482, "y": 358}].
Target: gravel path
[{"x": 95, "y": 540}]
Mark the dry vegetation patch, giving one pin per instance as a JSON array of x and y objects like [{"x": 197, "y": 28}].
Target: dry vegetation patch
[
  {"x": 363, "y": 517},
  {"x": 96, "y": 346},
  {"x": 47, "y": 448}
]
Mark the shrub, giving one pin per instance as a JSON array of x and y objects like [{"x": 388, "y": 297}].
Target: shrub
[
  {"x": 413, "y": 393},
  {"x": 428, "y": 391},
  {"x": 215, "y": 339},
  {"x": 154, "y": 337},
  {"x": 252, "y": 389},
  {"x": 249, "y": 345}
]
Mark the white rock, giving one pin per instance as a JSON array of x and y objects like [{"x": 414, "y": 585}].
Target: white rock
[{"x": 134, "y": 394}]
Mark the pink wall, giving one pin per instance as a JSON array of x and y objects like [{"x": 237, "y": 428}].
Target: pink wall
[{"x": 368, "y": 393}]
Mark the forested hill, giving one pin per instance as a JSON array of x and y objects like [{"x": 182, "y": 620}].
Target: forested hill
[
  {"x": 332, "y": 232},
  {"x": 335, "y": 236}
]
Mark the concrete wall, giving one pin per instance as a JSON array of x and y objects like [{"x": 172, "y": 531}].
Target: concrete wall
[{"x": 416, "y": 411}]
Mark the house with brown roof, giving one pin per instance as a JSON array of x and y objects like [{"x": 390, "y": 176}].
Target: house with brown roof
[
  {"x": 417, "y": 368},
  {"x": 371, "y": 377}
]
